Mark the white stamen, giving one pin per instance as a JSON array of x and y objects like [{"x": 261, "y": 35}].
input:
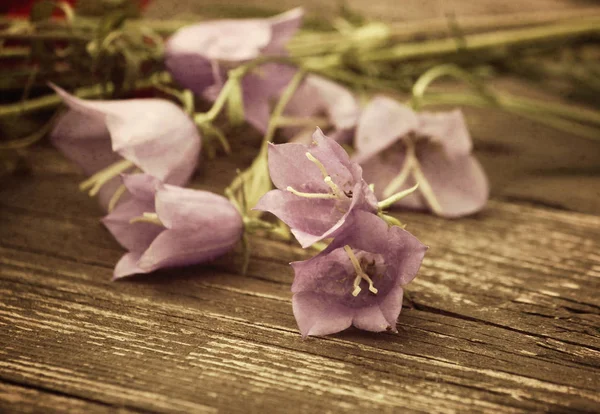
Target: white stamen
[
  {"x": 96, "y": 181},
  {"x": 388, "y": 202},
  {"x": 151, "y": 218},
  {"x": 360, "y": 274},
  {"x": 116, "y": 197},
  {"x": 311, "y": 195},
  {"x": 356, "y": 284},
  {"x": 318, "y": 164},
  {"x": 404, "y": 173},
  {"x": 334, "y": 188}
]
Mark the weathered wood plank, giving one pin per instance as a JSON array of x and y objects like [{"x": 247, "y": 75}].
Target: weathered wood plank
[
  {"x": 503, "y": 317},
  {"x": 212, "y": 335},
  {"x": 19, "y": 399}
]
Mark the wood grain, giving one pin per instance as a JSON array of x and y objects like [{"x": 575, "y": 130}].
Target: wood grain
[{"x": 504, "y": 317}]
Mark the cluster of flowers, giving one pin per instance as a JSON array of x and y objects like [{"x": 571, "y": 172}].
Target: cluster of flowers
[{"x": 140, "y": 153}]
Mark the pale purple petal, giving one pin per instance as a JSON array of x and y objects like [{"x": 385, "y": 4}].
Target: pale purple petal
[
  {"x": 154, "y": 134},
  {"x": 187, "y": 246},
  {"x": 288, "y": 166},
  {"x": 283, "y": 27},
  {"x": 190, "y": 70},
  {"x": 84, "y": 140},
  {"x": 226, "y": 40},
  {"x": 143, "y": 187},
  {"x": 392, "y": 305},
  {"x": 195, "y": 210},
  {"x": 127, "y": 266},
  {"x": 402, "y": 251},
  {"x": 313, "y": 219},
  {"x": 318, "y": 315},
  {"x": 448, "y": 129},
  {"x": 309, "y": 219},
  {"x": 135, "y": 237},
  {"x": 261, "y": 90},
  {"x": 459, "y": 183},
  {"x": 339, "y": 103},
  {"x": 370, "y": 318},
  {"x": 320, "y": 96},
  {"x": 382, "y": 122}
]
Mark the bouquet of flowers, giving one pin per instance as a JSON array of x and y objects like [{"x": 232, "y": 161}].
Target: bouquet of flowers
[{"x": 339, "y": 149}]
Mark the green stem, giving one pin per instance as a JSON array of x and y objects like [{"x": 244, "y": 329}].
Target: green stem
[
  {"x": 481, "y": 102},
  {"x": 53, "y": 100},
  {"x": 490, "y": 41},
  {"x": 286, "y": 96}
]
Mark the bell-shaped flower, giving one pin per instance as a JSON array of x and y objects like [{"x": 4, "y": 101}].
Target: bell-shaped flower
[
  {"x": 328, "y": 105},
  {"x": 199, "y": 56},
  {"x": 162, "y": 225},
  {"x": 358, "y": 280},
  {"x": 106, "y": 138},
  {"x": 318, "y": 187},
  {"x": 399, "y": 148}
]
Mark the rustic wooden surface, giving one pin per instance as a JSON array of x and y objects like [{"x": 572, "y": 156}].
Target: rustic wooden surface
[{"x": 503, "y": 317}]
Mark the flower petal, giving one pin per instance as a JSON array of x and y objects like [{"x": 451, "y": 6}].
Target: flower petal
[
  {"x": 309, "y": 219},
  {"x": 459, "y": 184},
  {"x": 261, "y": 89},
  {"x": 85, "y": 140},
  {"x": 370, "y": 318},
  {"x": 143, "y": 187},
  {"x": 227, "y": 40},
  {"x": 391, "y": 306},
  {"x": 288, "y": 166},
  {"x": 447, "y": 128},
  {"x": 383, "y": 122},
  {"x": 317, "y": 315},
  {"x": 402, "y": 251},
  {"x": 127, "y": 266},
  {"x": 283, "y": 27},
  {"x": 185, "y": 247},
  {"x": 154, "y": 134},
  {"x": 190, "y": 70},
  {"x": 195, "y": 210},
  {"x": 134, "y": 237}
]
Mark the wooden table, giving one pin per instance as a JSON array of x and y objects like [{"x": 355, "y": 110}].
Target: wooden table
[{"x": 503, "y": 317}]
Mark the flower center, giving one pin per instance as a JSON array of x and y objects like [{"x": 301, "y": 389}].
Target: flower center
[
  {"x": 360, "y": 274},
  {"x": 336, "y": 192}
]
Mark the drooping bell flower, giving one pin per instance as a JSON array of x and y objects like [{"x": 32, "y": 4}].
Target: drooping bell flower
[
  {"x": 199, "y": 56},
  {"x": 318, "y": 188},
  {"x": 332, "y": 106},
  {"x": 162, "y": 226},
  {"x": 399, "y": 148},
  {"x": 106, "y": 138},
  {"x": 358, "y": 280}
]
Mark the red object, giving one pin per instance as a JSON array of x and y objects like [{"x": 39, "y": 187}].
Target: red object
[{"x": 22, "y": 8}]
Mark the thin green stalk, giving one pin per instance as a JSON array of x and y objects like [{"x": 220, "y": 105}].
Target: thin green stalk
[
  {"x": 53, "y": 100},
  {"x": 286, "y": 96},
  {"x": 481, "y": 102},
  {"x": 477, "y": 42}
]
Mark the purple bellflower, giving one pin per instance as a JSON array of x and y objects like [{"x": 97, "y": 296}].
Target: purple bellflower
[
  {"x": 106, "y": 138},
  {"x": 399, "y": 148},
  {"x": 318, "y": 188},
  {"x": 358, "y": 280},
  {"x": 318, "y": 96},
  {"x": 199, "y": 56},
  {"x": 162, "y": 225}
]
